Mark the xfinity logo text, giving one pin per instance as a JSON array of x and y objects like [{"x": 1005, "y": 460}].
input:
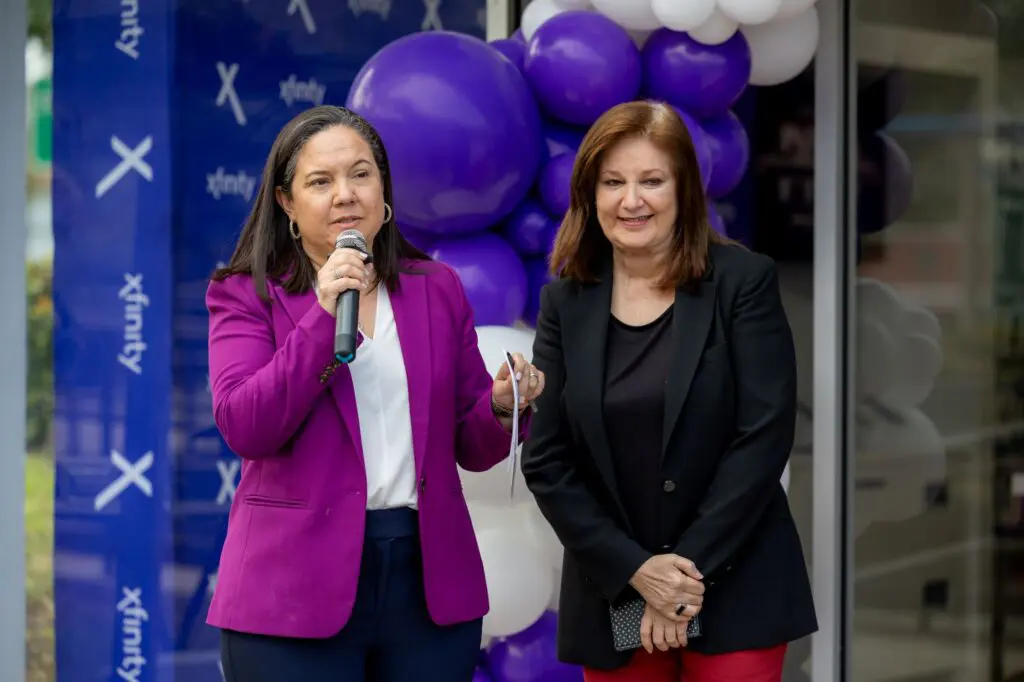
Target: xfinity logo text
[
  {"x": 131, "y": 160},
  {"x": 131, "y": 31},
  {"x": 131, "y": 475},
  {"x": 381, "y": 8},
  {"x": 227, "y": 94},
  {"x": 133, "y": 617},
  {"x": 228, "y": 470},
  {"x": 135, "y": 301},
  {"x": 293, "y": 90},
  {"x": 431, "y": 18},
  {"x": 239, "y": 184},
  {"x": 302, "y": 8}
]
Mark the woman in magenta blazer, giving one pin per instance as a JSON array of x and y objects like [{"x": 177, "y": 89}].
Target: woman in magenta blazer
[{"x": 350, "y": 555}]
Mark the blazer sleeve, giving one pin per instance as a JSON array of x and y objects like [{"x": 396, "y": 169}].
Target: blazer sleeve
[
  {"x": 261, "y": 393},
  {"x": 748, "y": 476},
  {"x": 608, "y": 556},
  {"x": 481, "y": 440}
]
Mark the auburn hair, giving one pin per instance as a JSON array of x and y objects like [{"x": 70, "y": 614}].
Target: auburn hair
[{"x": 581, "y": 250}]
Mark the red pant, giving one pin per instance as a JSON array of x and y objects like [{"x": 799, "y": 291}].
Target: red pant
[{"x": 680, "y": 665}]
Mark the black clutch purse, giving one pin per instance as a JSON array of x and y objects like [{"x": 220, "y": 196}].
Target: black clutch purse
[{"x": 626, "y": 624}]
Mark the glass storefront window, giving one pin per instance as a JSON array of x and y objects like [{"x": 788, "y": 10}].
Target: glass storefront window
[{"x": 937, "y": 342}]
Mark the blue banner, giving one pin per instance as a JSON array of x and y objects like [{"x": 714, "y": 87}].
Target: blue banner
[{"x": 164, "y": 111}]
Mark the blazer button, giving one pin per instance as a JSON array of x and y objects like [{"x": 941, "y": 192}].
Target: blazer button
[{"x": 668, "y": 486}]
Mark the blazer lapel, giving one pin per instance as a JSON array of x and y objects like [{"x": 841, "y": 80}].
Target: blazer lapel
[
  {"x": 691, "y": 321},
  {"x": 340, "y": 385},
  {"x": 585, "y": 359},
  {"x": 411, "y": 307}
]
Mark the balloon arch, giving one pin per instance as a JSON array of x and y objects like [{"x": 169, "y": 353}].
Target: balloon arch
[{"x": 482, "y": 139}]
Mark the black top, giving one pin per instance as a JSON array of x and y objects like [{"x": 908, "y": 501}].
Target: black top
[{"x": 637, "y": 363}]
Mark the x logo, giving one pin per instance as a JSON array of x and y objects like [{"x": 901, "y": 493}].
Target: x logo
[
  {"x": 131, "y": 159},
  {"x": 432, "y": 20},
  {"x": 131, "y": 474},
  {"x": 302, "y": 8},
  {"x": 227, "y": 91},
  {"x": 228, "y": 470}
]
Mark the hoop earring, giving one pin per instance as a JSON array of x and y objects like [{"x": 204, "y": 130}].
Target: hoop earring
[
  {"x": 293, "y": 230},
  {"x": 388, "y": 213}
]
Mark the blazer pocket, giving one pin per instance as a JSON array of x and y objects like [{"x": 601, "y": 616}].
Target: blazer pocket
[{"x": 275, "y": 502}]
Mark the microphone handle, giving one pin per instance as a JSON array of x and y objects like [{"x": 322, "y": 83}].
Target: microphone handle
[{"x": 346, "y": 326}]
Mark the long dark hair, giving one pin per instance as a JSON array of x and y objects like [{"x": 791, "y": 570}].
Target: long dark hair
[{"x": 266, "y": 247}]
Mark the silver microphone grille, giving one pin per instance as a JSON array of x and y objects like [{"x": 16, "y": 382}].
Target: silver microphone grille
[{"x": 351, "y": 239}]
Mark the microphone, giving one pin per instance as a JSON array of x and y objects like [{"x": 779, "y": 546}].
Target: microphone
[{"x": 346, "y": 323}]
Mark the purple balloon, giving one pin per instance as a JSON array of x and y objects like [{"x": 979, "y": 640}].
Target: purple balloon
[
  {"x": 531, "y": 656},
  {"x": 480, "y": 675},
  {"x": 515, "y": 50},
  {"x": 730, "y": 152},
  {"x": 555, "y": 184},
  {"x": 704, "y": 80},
  {"x": 885, "y": 185},
  {"x": 530, "y": 229},
  {"x": 580, "y": 64},
  {"x": 491, "y": 273},
  {"x": 537, "y": 275},
  {"x": 715, "y": 218},
  {"x": 424, "y": 241},
  {"x": 560, "y": 138},
  {"x": 518, "y": 35},
  {"x": 461, "y": 128},
  {"x": 700, "y": 145}
]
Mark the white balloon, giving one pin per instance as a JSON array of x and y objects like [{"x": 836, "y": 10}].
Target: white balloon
[
  {"x": 493, "y": 341},
  {"x": 876, "y": 358},
  {"x": 918, "y": 363},
  {"x": 750, "y": 12},
  {"x": 494, "y": 486},
  {"x": 639, "y": 37},
  {"x": 544, "y": 537},
  {"x": 536, "y": 13},
  {"x": 633, "y": 15},
  {"x": 682, "y": 15},
  {"x": 781, "y": 49},
  {"x": 556, "y": 593},
  {"x": 716, "y": 30},
  {"x": 878, "y": 301},
  {"x": 895, "y": 462},
  {"x": 519, "y": 583},
  {"x": 573, "y": 4},
  {"x": 790, "y": 8},
  {"x": 917, "y": 320}
]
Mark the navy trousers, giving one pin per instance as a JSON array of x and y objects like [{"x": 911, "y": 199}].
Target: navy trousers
[{"x": 389, "y": 638}]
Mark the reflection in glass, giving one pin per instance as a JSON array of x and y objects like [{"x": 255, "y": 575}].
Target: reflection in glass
[{"x": 939, "y": 423}]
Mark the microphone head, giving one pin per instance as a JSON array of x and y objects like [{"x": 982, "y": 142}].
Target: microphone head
[{"x": 351, "y": 239}]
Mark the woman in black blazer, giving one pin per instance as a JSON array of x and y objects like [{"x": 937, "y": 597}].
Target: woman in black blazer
[{"x": 657, "y": 449}]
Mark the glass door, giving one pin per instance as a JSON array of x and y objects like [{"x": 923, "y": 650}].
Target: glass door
[{"x": 936, "y": 515}]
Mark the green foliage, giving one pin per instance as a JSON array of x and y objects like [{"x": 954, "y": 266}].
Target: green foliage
[
  {"x": 40, "y": 20},
  {"x": 39, "y": 413}
]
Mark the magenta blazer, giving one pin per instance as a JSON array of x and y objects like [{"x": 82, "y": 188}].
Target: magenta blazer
[{"x": 291, "y": 559}]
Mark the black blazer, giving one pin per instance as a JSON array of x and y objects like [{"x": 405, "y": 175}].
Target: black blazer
[{"x": 730, "y": 418}]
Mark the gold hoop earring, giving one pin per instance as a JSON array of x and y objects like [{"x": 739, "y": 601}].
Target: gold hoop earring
[
  {"x": 293, "y": 230},
  {"x": 388, "y": 213}
]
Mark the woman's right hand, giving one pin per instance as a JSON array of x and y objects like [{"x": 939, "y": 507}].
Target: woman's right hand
[
  {"x": 668, "y": 581},
  {"x": 345, "y": 269}
]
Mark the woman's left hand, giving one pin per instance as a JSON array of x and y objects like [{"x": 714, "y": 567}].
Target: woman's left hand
[{"x": 529, "y": 378}]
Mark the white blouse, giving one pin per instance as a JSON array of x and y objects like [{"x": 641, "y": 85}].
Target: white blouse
[{"x": 385, "y": 425}]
